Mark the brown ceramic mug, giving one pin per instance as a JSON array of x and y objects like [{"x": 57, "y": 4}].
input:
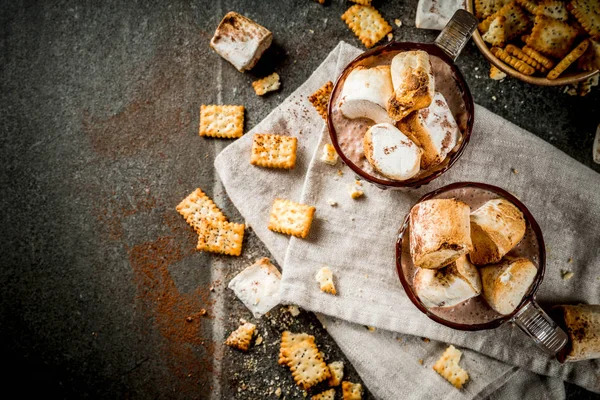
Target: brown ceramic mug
[
  {"x": 528, "y": 315},
  {"x": 444, "y": 52}
]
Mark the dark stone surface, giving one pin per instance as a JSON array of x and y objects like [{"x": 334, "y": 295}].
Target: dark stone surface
[{"x": 99, "y": 143}]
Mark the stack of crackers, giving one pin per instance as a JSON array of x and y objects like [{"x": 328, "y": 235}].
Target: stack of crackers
[{"x": 542, "y": 37}]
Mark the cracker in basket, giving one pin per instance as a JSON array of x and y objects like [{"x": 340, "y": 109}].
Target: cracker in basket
[
  {"x": 495, "y": 33},
  {"x": 520, "y": 54},
  {"x": 320, "y": 99},
  {"x": 367, "y": 24},
  {"x": 586, "y": 61},
  {"x": 351, "y": 391},
  {"x": 551, "y": 37},
  {"x": 587, "y": 12},
  {"x": 485, "y": 8},
  {"x": 196, "y": 207},
  {"x": 221, "y": 121},
  {"x": 241, "y": 337},
  {"x": 496, "y": 74},
  {"x": 291, "y": 218},
  {"x": 220, "y": 237},
  {"x": 325, "y": 278},
  {"x": 539, "y": 57},
  {"x": 274, "y": 151},
  {"x": 301, "y": 354},
  {"x": 513, "y": 61},
  {"x": 553, "y": 9},
  {"x": 447, "y": 366},
  {"x": 267, "y": 84},
  {"x": 336, "y": 370},
  {"x": 516, "y": 20},
  {"x": 529, "y": 5},
  {"x": 326, "y": 395},
  {"x": 568, "y": 60}
]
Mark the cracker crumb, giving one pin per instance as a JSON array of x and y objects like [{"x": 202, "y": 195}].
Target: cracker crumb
[
  {"x": 293, "y": 310},
  {"x": 371, "y": 328},
  {"x": 570, "y": 260},
  {"x": 398, "y": 22},
  {"x": 340, "y": 172},
  {"x": 390, "y": 36},
  {"x": 421, "y": 361},
  {"x": 515, "y": 171},
  {"x": 258, "y": 340},
  {"x": 566, "y": 275},
  {"x": 426, "y": 340},
  {"x": 278, "y": 392},
  {"x": 494, "y": 98},
  {"x": 332, "y": 202}
]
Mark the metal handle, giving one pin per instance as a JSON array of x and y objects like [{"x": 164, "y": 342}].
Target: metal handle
[
  {"x": 541, "y": 328},
  {"x": 456, "y": 33}
]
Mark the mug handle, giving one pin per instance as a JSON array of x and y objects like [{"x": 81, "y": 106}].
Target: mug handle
[
  {"x": 456, "y": 33},
  {"x": 540, "y": 327}
]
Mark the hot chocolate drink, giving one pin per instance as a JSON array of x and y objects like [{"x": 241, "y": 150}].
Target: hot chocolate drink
[{"x": 475, "y": 310}]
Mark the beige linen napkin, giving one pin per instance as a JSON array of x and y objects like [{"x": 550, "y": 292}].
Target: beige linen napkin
[
  {"x": 386, "y": 373},
  {"x": 356, "y": 240}
]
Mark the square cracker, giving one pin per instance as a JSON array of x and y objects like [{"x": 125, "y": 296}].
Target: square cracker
[
  {"x": 447, "y": 366},
  {"x": 220, "y": 237},
  {"x": 336, "y": 369},
  {"x": 274, "y": 151},
  {"x": 241, "y": 337},
  {"x": 196, "y": 207},
  {"x": 320, "y": 99},
  {"x": 351, "y": 391},
  {"x": 516, "y": 21},
  {"x": 326, "y": 395},
  {"x": 367, "y": 24},
  {"x": 267, "y": 84},
  {"x": 587, "y": 13},
  {"x": 551, "y": 37},
  {"x": 554, "y": 9},
  {"x": 221, "y": 121},
  {"x": 291, "y": 218},
  {"x": 305, "y": 361},
  {"x": 288, "y": 340},
  {"x": 495, "y": 34}
]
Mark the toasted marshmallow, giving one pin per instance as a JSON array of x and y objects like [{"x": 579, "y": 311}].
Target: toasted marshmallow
[
  {"x": 439, "y": 232},
  {"x": 448, "y": 286},
  {"x": 391, "y": 153},
  {"x": 258, "y": 287},
  {"x": 413, "y": 81},
  {"x": 366, "y": 92},
  {"x": 434, "y": 129},
  {"x": 505, "y": 284},
  {"x": 496, "y": 227},
  {"x": 241, "y": 41}
]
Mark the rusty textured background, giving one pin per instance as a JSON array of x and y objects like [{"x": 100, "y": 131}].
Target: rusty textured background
[{"x": 99, "y": 142}]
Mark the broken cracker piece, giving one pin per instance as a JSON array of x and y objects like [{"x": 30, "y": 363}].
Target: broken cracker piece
[
  {"x": 196, "y": 207},
  {"x": 240, "y": 41},
  {"x": 329, "y": 155},
  {"x": 325, "y": 279},
  {"x": 304, "y": 359},
  {"x": 288, "y": 340},
  {"x": 326, "y": 395},
  {"x": 551, "y": 37},
  {"x": 516, "y": 21},
  {"x": 496, "y": 74},
  {"x": 355, "y": 192},
  {"x": 447, "y": 366},
  {"x": 220, "y": 237},
  {"x": 485, "y": 8},
  {"x": 241, "y": 337},
  {"x": 221, "y": 121},
  {"x": 291, "y": 218},
  {"x": 366, "y": 23},
  {"x": 568, "y": 60},
  {"x": 274, "y": 151},
  {"x": 495, "y": 33},
  {"x": 336, "y": 370},
  {"x": 351, "y": 391},
  {"x": 587, "y": 13},
  {"x": 257, "y": 287},
  {"x": 320, "y": 99},
  {"x": 267, "y": 84}
]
